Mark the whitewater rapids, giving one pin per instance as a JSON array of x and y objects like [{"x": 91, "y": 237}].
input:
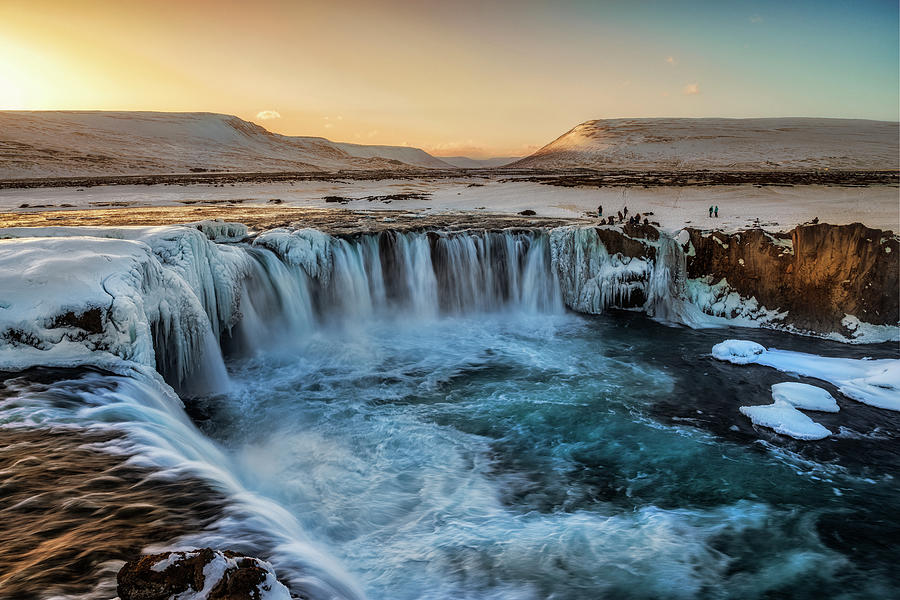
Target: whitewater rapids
[{"x": 422, "y": 415}]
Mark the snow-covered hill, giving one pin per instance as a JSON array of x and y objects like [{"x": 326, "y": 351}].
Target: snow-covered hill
[
  {"x": 723, "y": 144},
  {"x": 76, "y": 143},
  {"x": 464, "y": 162}
]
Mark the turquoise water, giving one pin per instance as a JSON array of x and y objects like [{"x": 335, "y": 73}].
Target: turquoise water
[{"x": 558, "y": 456}]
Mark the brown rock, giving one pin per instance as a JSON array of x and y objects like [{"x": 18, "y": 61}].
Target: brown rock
[
  {"x": 242, "y": 578},
  {"x": 829, "y": 271}
]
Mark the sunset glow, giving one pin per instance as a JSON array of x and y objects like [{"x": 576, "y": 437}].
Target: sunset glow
[{"x": 454, "y": 78}]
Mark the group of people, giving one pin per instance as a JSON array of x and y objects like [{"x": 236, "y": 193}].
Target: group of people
[
  {"x": 714, "y": 210},
  {"x": 621, "y": 217}
]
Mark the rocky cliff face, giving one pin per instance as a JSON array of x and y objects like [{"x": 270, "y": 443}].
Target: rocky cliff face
[
  {"x": 817, "y": 274},
  {"x": 836, "y": 280}
]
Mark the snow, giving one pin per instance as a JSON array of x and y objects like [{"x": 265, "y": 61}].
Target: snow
[
  {"x": 805, "y": 396},
  {"x": 786, "y": 420},
  {"x": 872, "y": 382},
  {"x": 722, "y": 144},
  {"x": 76, "y": 143},
  {"x": 776, "y": 208},
  {"x": 740, "y": 352},
  {"x": 133, "y": 282}
]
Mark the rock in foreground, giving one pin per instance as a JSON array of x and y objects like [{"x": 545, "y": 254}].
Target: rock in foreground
[{"x": 200, "y": 575}]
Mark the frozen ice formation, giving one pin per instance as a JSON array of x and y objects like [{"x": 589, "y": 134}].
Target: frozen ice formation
[
  {"x": 805, "y": 396},
  {"x": 783, "y": 418},
  {"x": 872, "y": 382}
]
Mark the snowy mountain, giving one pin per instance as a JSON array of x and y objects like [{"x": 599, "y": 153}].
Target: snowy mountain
[
  {"x": 83, "y": 143},
  {"x": 723, "y": 144}
]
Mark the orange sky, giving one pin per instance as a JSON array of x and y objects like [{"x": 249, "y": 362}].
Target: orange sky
[{"x": 476, "y": 78}]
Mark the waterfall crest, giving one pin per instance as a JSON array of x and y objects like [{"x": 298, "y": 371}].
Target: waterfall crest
[{"x": 179, "y": 298}]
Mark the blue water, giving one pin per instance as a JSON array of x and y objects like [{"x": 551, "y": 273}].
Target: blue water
[{"x": 558, "y": 456}]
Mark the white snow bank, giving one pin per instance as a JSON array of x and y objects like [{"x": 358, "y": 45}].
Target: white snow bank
[
  {"x": 71, "y": 296},
  {"x": 740, "y": 352},
  {"x": 805, "y": 396},
  {"x": 783, "y": 418},
  {"x": 872, "y": 382}
]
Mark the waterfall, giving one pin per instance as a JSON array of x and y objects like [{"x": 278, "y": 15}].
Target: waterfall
[{"x": 180, "y": 299}]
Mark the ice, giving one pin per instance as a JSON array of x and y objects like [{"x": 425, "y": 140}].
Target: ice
[
  {"x": 786, "y": 420},
  {"x": 872, "y": 382},
  {"x": 221, "y": 231},
  {"x": 154, "y": 299},
  {"x": 739, "y": 352},
  {"x": 805, "y": 396},
  {"x": 592, "y": 278},
  {"x": 307, "y": 248}
]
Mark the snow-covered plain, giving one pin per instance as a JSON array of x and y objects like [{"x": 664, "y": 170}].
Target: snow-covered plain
[{"x": 773, "y": 208}]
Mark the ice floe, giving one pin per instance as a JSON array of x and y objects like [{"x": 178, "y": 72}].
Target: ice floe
[
  {"x": 872, "y": 382},
  {"x": 805, "y": 396},
  {"x": 783, "y": 418}
]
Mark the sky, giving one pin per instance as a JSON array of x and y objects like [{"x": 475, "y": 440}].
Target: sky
[{"x": 477, "y": 78}]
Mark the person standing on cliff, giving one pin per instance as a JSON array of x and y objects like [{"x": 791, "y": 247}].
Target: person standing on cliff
[
  {"x": 600, "y": 211},
  {"x": 710, "y": 210},
  {"x": 717, "y": 211}
]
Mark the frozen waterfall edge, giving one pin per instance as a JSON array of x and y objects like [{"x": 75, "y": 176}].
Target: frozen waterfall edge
[{"x": 175, "y": 298}]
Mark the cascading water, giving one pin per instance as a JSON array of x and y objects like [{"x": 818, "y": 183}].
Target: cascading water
[
  {"x": 302, "y": 280},
  {"x": 416, "y": 415}
]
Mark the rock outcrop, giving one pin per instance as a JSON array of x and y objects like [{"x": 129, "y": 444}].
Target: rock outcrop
[
  {"x": 200, "y": 575},
  {"x": 817, "y": 274}
]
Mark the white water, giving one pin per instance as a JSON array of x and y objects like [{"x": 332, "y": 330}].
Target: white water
[{"x": 416, "y": 416}]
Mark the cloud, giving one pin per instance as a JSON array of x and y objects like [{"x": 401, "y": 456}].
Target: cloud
[
  {"x": 265, "y": 115},
  {"x": 691, "y": 89},
  {"x": 671, "y": 60},
  {"x": 329, "y": 125},
  {"x": 756, "y": 19}
]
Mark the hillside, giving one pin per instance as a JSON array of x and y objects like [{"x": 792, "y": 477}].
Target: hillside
[
  {"x": 85, "y": 143},
  {"x": 796, "y": 144},
  {"x": 464, "y": 162}
]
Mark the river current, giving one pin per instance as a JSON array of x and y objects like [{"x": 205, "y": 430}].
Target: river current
[{"x": 497, "y": 448}]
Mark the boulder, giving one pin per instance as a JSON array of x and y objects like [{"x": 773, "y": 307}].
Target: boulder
[{"x": 204, "y": 574}]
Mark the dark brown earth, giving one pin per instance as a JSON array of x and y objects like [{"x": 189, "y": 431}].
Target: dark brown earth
[
  {"x": 75, "y": 508},
  {"x": 833, "y": 270},
  {"x": 588, "y": 178},
  {"x": 260, "y": 217},
  {"x": 567, "y": 178}
]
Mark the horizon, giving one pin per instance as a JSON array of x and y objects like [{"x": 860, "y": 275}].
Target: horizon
[{"x": 476, "y": 81}]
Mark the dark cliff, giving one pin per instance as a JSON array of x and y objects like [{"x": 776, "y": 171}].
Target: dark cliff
[{"x": 818, "y": 273}]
